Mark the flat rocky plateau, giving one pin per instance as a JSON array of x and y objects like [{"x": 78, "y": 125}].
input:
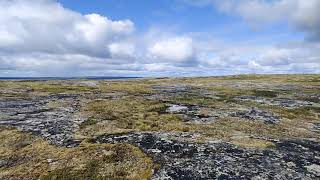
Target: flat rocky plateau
[{"x": 234, "y": 127}]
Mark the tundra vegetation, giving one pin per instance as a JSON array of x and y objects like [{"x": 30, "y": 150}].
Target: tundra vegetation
[{"x": 251, "y": 112}]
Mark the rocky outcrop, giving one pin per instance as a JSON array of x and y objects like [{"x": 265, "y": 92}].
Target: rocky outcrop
[
  {"x": 34, "y": 115},
  {"x": 179, "y": 159}
]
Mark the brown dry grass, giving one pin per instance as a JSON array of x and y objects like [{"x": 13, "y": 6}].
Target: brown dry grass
[{"x": 29, "y": 157}]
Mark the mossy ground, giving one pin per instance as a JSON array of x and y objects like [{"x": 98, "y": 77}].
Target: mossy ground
[{"x": 127, "y": 114}]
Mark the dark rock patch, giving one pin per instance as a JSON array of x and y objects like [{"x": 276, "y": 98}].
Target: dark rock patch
[
  {"x": 258, "y": 115},
  {"x": 166, "y": 93},
  {"x": 193, "y": 113}
]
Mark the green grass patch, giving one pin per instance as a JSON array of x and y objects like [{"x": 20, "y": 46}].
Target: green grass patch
[
  {"x": 53, "y": 88},
  {"x": 265, "y": 93},
  {"x": 128, "y": 114},
  {"x": 133, "y": 87}
]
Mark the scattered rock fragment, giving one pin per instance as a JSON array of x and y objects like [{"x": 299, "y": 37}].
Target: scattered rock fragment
[
  {"x": 196, "y": 114},
  {"x": 259, "y": 115},
  {"x": 314, "y": 169},
  {"x": 282, "y": 102},
  {"x": 200, "y": 115}
]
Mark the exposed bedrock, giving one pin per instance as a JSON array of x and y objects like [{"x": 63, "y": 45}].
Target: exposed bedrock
[{"x": 290, "y": 159}]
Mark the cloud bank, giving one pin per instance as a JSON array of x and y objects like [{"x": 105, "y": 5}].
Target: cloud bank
[
  {"x": 300, "y": 14},
  {"x": 43, "y": 38}
]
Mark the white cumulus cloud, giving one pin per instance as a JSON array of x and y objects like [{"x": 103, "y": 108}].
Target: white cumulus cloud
[
  {"x": 301, "y": 14},
  {"x": 177, "y": 49},
  {"x": 46, "y": 26}
]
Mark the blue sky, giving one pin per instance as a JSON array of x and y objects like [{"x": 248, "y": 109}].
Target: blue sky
[
  {"x": 181, "y": 16},
  {"x": 158, "y": 38},
  {"x": 147, "y": 13}
]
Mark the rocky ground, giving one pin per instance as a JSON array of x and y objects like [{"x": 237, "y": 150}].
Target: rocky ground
[
  {"x": 289, "y": 159},
  {"x": 35, "y": 115},
  {"x": 236, "y": 127}
]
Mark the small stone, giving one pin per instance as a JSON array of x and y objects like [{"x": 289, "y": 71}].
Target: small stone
[
  {"x": 155, "y": 150},
  {"x": 177, "y": 108}
]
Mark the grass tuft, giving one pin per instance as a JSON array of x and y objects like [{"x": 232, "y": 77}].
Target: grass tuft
[{"x": 29, "y": 157}]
